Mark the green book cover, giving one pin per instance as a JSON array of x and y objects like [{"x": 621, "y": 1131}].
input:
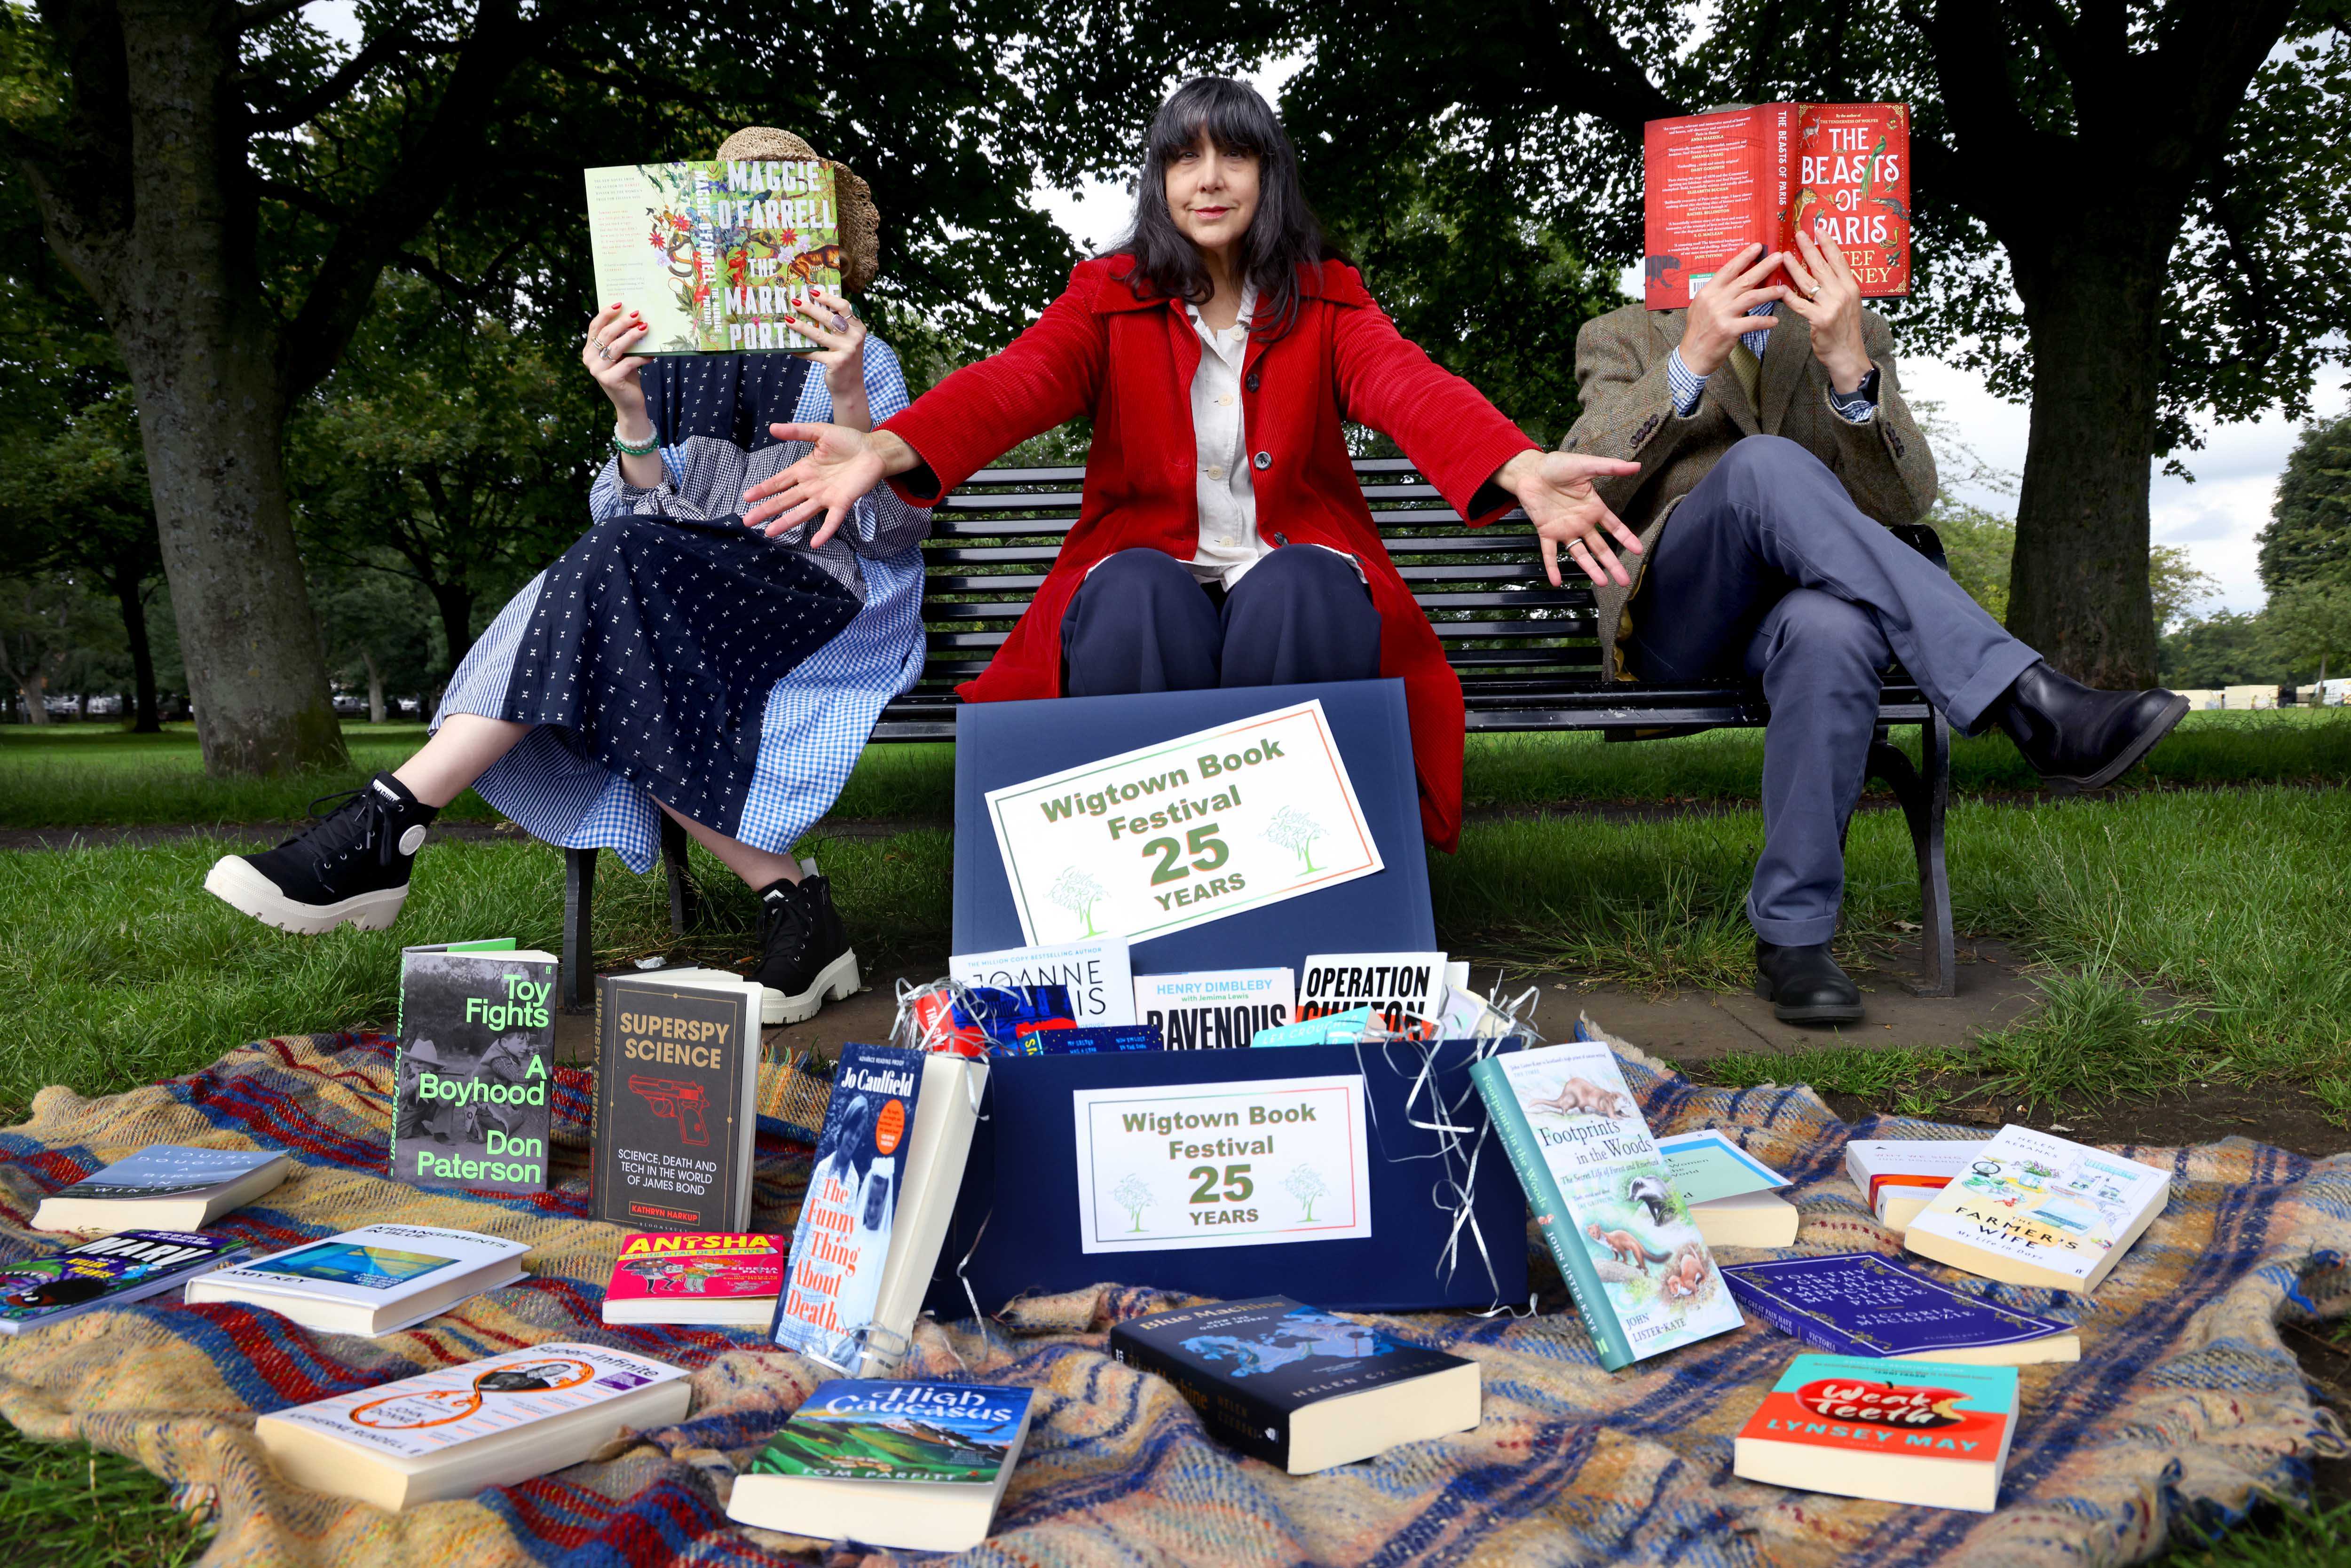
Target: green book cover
[
  {"x": 714, "y": 256},
  {"x": 960, "y": 1433}
]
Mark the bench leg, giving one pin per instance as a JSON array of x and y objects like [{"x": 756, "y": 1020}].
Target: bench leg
[
  {"x": 684, "y": 903},
  {"x": 1924, "y": 794},
  {"x": 576, "y": 973}
]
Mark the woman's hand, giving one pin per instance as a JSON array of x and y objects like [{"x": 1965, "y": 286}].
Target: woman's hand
[
  {"x": 826, "y": 319},
  {"x": 1555, "y": 488},
  {"x": 843, "y": 467},
  {"x": 606, "y": 354},
  {"x": 1717, "y": 314},
  {"x": 1828, "y": 296}
]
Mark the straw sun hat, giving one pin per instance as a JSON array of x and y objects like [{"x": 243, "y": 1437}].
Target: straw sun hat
[{"x": 860, "y": 222}]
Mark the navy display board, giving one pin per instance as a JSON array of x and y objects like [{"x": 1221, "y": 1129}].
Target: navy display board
[
  {"x": 999, "y": 744},
  {"x": 1016, "y": 1224}
]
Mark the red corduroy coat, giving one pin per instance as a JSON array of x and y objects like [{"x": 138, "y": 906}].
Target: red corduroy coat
[{"x": 1126, "y": 357}]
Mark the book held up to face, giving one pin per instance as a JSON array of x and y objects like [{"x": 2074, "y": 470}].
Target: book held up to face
[{"x": 715, "y": 255}]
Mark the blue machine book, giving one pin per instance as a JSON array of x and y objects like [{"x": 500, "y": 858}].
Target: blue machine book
[
  {"x": 1863, "y": 1304},
  {"x": 1082, "y": 1042},
  {"x": 832, "y": 1284},
  {"x": 108, "y": 1271},
  {"x": 1265, "y": 1374}
]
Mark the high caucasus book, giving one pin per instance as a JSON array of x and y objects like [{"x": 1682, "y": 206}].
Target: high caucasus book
[
  {"x": 473, "y": 1082},
  {"x": 1633, "y": 1257},
  {"x": 714, "y": 256},
  {"x": 1714, "y": 182}
]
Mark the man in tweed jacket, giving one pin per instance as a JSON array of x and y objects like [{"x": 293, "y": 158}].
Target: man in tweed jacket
[{"x": 1772, "y": 443}]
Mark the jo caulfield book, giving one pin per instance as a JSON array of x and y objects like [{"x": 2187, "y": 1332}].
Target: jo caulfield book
[
  {"x": 462, "y": 1429},
  {"x": 472, "y": 1084},
  {"x": 917, "y": 1466},
  {"x": 1405, "y": 991},
  {"x": 166, "y": 1186},
  {"x": 1715, "y": 183},
  {"x": 695, "y": 1278},
  {"x": 2037, "y": 1210},
  {"x": 1299, "y": 1387},
  {"x": 1919, "y": 1432},
  {"x": 109, "y": 1271},
  {"x": 1900, "y": 1176},
  {"x": 1636, "y": 1264},
  {"x": 1857, "y": 1303},
  {"x": 677, "y": 1067},
  {"x": 1095, "y": 976},
  {"x": 842, "y": 1241},
  {"x": 1216, "y": 1008},
  {"x": 714, "y": 256},
  {"x": 376, "y": 1280}
]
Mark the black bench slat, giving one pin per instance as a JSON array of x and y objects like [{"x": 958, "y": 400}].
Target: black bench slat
[
  {"x": 1545, "y": 598},
  {"x": 937, "y": 581}
]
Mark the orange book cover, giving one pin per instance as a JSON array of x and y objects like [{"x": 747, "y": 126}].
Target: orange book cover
[{"x": 1714, "y": 182}]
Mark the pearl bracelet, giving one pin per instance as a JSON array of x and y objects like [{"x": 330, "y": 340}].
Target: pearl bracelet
[{"x": 652, "y": 445}]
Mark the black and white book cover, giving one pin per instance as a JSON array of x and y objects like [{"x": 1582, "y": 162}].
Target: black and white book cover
[
  {"x": 1210, "y": 1010},
  {"x": 676, "y": 1066},
  {"x": 474, "y": 1084}
]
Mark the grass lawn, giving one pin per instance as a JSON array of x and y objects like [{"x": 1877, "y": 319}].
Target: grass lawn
[{"x": 116, "y": 970}]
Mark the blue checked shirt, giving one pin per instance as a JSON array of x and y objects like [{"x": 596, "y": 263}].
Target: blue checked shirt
[{"x": 1855, "y": 407}]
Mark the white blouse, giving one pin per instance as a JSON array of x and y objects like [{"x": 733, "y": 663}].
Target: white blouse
[{"x": 1229, "y": 541}]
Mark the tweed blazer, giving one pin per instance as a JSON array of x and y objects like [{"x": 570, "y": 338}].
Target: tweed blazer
[{"x": 1628, "y": 411}]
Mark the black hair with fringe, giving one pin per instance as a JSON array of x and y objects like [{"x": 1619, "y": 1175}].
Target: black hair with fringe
[{"x": 1282, "y": 236}]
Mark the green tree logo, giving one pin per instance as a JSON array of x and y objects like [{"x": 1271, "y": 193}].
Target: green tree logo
[
  {"x": 1296, "y": 831},
  {"x": 1134, "y": 1194},
  {"x": 1305, "y": 1184},
  {"x": 1077, "y": 893}
]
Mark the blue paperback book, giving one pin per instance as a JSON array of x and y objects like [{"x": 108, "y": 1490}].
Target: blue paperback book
[
  {"x": 1082, "y": 1042},
  {"x": 841, "y": 1242},
  {"x": 1863, "y": 1304}
]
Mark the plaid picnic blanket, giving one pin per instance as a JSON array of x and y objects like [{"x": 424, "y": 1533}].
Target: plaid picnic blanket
[{"x": 2185, "y": 1404}]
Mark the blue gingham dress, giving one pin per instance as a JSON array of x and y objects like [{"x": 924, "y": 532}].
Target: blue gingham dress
[{"x": 817, "y": 715}]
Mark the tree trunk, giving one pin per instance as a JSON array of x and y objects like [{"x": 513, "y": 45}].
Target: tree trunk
[
  {"x": 2078, "y": 590},
  {"x": 455, "y": 602},
  {"x": 33, "y": 691},
  {"x": 187, "y": 310},
  {"x": 147, "y": 717},
  {"x": 375, "y": 687}
]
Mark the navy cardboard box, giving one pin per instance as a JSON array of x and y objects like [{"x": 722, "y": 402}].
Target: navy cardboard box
[
  {"x": 1015, "y": 1225},
  {"x": 1000, "y": 744}
]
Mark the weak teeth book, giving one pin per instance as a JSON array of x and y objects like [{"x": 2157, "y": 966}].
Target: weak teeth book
[
  {"x": 165, "y": 1187},
  {"x": 1216, "y": 1010},
  {"x": 2037, "y": 1210},
  {"x": 459, "y": 1430},
  {"x": 1634, "y": 1261},
  {"x": 917, "y": 1466},
  {"x": 376, "y": 1280},
  {"x": 474, "y": 1080},
  {"x": 714, "y": 254},
  {"x": 1919, "y": 1432},
  {"x": 704, "y": 1279},
  {"x": 112, "y": 1270},
  {"x": 1857, "y": 1303},
  {"x": 677, "y": 1068}
]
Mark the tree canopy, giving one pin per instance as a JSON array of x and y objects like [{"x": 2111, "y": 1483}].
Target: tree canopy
[{"x": 2308, "y": 536}]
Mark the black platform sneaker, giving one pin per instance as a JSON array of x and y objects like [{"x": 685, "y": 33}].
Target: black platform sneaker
[
  {"x": 806, "y": 959},
  {"x": 352, "y": 866}
]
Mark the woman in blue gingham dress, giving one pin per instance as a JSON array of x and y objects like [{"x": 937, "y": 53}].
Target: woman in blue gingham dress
[{"x": 671, "y": 660}]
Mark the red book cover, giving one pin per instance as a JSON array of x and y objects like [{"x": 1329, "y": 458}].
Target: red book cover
[
  {"x": 1714, "y": 182},
  {"x": 696, "y": 1266}
]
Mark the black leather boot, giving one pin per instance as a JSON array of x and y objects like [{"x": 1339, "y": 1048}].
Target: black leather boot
[
  {"x": 2073, "y": 733},
  {"x": 1804, "y": 984}
]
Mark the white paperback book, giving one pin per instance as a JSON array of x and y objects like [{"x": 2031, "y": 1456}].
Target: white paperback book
[
  {"x": 2037, "y": 1210},
  {"x": 1100, "y": 978},
  {"x": 164, "y": 1186},
  {"x": 1214, "y": 1010},
  {"x": 461, "y": 1430},
  {"x": 376, "y": 1280},
  {"x": 1900, "y": 1176},
  {"x": 938, "y": 1145},
  {"x": 1405, "y": 991}
]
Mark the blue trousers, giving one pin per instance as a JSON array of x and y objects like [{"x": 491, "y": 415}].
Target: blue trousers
[
  {"x": 1142, "y": 623},
  {"x": 1768, "y": 570}
]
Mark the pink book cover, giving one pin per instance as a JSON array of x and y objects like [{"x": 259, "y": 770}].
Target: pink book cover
[{"x": 696, "y": 1264}]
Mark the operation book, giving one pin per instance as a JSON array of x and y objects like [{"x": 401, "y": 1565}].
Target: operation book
[
  {"x": 677, "y": 1067},
  {"x": 461, "y": 1430},
  {"x": 918, "y": 1466},
  {"x": 1405, "y": 991},
  {"x": 471, "y": 1084},
  {"x": 373, "y": 1280},
  {"x": 1857, "y": 1303},
  {"x": 108, "y": 1272},
  {"x": 714, "y": 256},
  {"x": 1920, "y": 1432},
  {"x": 1714, "y": 182},
  {"x": 710, "y": 1278},
  {"x": 167, "y": 1186},
  {"x": 1631, "y": 1254},
  {"x": 1299, "y": 1387}
]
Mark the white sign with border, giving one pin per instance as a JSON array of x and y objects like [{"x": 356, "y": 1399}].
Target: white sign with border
[
  {"x": 1248, "y": 1164},
  {"x": 1183, "y": 831}
]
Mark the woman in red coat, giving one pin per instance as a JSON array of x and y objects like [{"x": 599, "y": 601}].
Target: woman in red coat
[{"x": 1218, "y": 348}]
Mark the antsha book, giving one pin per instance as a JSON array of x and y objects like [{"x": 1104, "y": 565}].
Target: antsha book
[
  {"x": 715, "y": 255},
  {"x": 1635, "y": 1261},
  {"x": 695, "y": 1278}
]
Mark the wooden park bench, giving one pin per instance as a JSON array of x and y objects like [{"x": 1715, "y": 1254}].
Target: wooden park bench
[{"x": 1526, "y": 653}]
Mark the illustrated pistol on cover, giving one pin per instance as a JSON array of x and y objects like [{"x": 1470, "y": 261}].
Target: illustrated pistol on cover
[{"x": 680, "y": 1102}]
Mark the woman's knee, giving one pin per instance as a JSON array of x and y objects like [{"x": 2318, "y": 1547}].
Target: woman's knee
[
  {"x": 1305, "y": 570},
  {"x": 1142, "y": 570}
]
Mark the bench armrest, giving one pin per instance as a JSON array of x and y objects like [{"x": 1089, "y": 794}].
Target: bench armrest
[{"x": 1924, "y": 540}]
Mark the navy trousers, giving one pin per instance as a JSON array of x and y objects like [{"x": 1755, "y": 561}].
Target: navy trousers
[
  {"x": 1143, "y": 623},
  {"x": 1768, "y": 570}
]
